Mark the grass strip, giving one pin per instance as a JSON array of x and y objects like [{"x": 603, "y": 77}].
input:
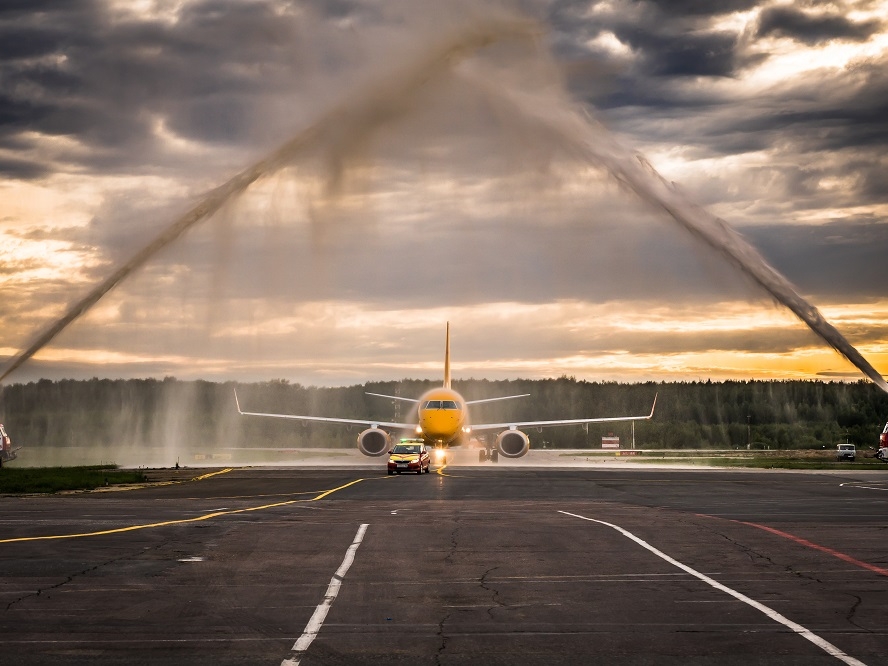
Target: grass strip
[{"x": 54, "y": 479}]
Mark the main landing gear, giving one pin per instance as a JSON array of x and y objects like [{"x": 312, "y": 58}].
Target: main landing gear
[{"x": 488, "y": 454}]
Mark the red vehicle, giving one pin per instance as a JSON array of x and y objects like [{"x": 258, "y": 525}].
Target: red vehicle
[
  {"x": 7, "y": 453},
  {"x": 410, "y": 455},
  {"x": 883, "y": 445}
]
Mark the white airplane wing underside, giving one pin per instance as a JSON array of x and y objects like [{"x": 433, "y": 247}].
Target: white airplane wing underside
[
  {"x": 543, "y": 424},
  {"x": 393, "y": 397},
  {"x": 327, "y": 419}
]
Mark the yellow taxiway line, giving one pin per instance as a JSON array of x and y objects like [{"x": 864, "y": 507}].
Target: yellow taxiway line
[
  {"x": 155, "y": 484},
  {"x": 181, "y": 521}
]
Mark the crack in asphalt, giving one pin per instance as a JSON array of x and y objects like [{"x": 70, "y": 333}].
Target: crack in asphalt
[
  {"x": 70, "y": 578},
  {"x": 494, "y": 593},
  {"x": 449, "y": 560},
  {"x": 443, "y": 638},
  {"x": 453, "y": 545},
  {"x": 747, "y": 550},
  {"x": 752, "y": 554},
  {"x": 853, "y": 610}
]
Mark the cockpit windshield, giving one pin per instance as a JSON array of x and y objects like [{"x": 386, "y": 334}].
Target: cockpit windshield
[{"x": 441, "y": 404}]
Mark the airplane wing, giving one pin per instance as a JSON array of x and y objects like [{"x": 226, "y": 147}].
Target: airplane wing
[
  {"x": 505, "y": 397},
  {"x": 543, "y": 424},
  {"x": 327, "y": 419},
  {"x": 393, "y": 397},
  {"x": 468, "y": 402}
]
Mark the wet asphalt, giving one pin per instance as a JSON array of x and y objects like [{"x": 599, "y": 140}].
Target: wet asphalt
[{"x": 473, "y": 565}]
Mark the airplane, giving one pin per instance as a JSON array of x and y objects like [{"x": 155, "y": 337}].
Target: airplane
[
  {"x": 443, "y": 421},
  {"x": 7, "y": 453}
]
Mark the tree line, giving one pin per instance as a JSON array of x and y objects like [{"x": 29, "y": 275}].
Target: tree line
[{"x": 722, "y": 415}]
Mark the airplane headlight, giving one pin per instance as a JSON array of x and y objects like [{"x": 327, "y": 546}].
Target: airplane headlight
[
  {"x": 439, "y": 454},
  {"x": 418, "y": 430}
]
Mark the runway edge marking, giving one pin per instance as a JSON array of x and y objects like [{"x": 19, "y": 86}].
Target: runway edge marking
[
  {"x": 822, "y": 643},
  {"x": 320, "y": 614},
  {"x": 180, "y": 521},
  {"x": 810, "y": 544}
]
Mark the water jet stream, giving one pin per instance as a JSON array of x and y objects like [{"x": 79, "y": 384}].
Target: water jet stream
[
  {"x": 378, "y": 103},
  {"x": 582, "y": 136},
  {"x": 384, "y": 100}
]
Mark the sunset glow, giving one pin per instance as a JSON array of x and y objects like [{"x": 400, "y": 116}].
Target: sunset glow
[{"x": 343, "y": 266}]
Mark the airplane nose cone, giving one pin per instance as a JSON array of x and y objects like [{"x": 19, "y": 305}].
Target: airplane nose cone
[{"x": 440, "y": 423}]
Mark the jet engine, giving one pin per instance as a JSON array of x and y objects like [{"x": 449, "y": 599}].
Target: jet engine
[
  {"x": 512, "y": 443},
  {"x": 374, "y": 442}
]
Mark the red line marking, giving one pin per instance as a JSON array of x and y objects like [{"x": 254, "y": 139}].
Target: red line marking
[{"x": 811, "y": 544}]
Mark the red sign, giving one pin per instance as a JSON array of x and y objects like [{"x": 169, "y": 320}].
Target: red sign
[{"x": 610, "y": 442}]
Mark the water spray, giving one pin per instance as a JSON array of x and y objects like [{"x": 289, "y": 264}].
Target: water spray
[
  {"x": 582, "y": 136},
  {"x": 341, "y": 128},
  {"x": 337, "y": 130}
]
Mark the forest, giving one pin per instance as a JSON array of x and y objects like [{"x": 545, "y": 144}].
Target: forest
[{"x": 201, "y": 414}]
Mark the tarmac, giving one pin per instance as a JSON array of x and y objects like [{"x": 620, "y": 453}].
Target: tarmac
[{"x": 492, "y": 564}]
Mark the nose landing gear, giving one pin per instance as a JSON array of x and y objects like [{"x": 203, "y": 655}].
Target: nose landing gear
[{"x": 488, "y": 454}]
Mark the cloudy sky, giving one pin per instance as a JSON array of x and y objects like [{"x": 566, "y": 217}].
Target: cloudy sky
[{"x": 342, "y": 266}]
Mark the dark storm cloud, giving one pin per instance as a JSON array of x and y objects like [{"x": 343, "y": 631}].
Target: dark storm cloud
[
  {"x": 853, "y": 115},
  {"x": 647, "y": 93},
  {"x": 23, "y": 169},
  {"x": 17, "y": 43},
  {"x": 874, "y": 185},
  {"x": 814, "y": 28},
  {"x": 14, "y": 7},
  {"x": 831, "y": 260},
  {"x": 668, "y": 39},
  {"x": 71, "y": 70},
  {"x": 668, "y": 46},
  {"x": 337, "y": 8},
  {"x": 698, "y": 7},
  {"x": 680, "y": 55},
  {"x": 829, "y": 124}
]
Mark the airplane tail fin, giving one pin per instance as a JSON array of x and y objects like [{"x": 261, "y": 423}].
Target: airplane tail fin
[{"x": 447, "y": 358}]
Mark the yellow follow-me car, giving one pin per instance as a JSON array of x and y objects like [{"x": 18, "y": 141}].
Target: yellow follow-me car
[{"x": 410, "y": 455}]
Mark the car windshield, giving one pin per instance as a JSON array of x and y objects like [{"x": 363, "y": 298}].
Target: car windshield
[{"x": 407, "y": 448}]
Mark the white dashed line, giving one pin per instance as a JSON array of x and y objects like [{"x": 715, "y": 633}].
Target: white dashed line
[
  {"x": 823, "y": 644},
  {"x": 317, "y": 619}
]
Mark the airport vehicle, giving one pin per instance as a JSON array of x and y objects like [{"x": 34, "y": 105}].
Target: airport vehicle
[
  {"x": 409, "y": 455},
  {"x": 7, "y": 453},
  {"x": 443, "y": 421},
  {"x": 882, "y": 453},
  {"x": 846, "y": 452}
]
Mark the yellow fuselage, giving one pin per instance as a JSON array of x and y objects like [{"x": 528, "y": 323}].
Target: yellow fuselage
[{"x": 442, "y": 416}]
